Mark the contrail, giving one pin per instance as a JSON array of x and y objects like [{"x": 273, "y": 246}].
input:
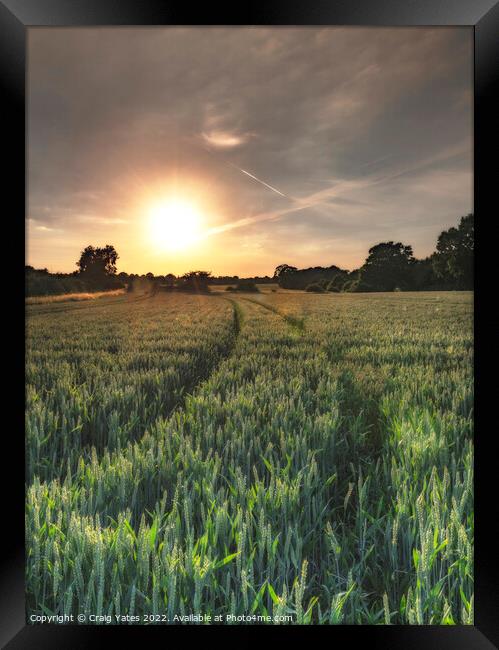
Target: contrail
[
  {"x": 243, "y": 171},
  {"x": 259, "y": 180}
]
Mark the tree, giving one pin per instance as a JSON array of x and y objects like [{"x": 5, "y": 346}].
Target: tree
[
  {"x": 453, "y": 259},
  {"x": 283, "y": 268},
  {"x": 195, "y": 280},
  {"x": 423, "y": 275},
  {"x": 170, "y": 279},
  {"x": 387, "y": 267},
  {"x": 98, "y": 262},
  {"x": 338, "y": 281}
]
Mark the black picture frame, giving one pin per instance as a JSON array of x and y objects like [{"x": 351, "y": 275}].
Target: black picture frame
[{"x": 16, "y": 17}]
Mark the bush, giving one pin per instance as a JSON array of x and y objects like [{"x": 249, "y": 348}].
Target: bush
[
  {"x": 350, "y": 287},
  {"x": 331, "y": 286},
  {"x": 43, "y": 283},
  {"x": 195, "y": 282},
  {"x": 248, "y": 287},
  {"x": 315, "y": 288}
]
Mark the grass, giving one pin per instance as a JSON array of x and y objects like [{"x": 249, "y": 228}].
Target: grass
[
  {"x": 262, "y": 288},
  {"x": 200, "y": 454},
  {"x": 65, "y": 297}
]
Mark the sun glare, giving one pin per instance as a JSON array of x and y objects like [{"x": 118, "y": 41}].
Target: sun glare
[{"x": 174, "y": 225}]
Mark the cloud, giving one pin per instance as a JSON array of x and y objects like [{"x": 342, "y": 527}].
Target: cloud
[
  {"x": 40, "y": 227},
  {"x": 98, "y": 219},
  {"x": 362, "y": 127},
  {"x": 224, "y": 139}
]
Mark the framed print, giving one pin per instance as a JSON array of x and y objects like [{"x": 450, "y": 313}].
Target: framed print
[{"x": 254, "y": 323}]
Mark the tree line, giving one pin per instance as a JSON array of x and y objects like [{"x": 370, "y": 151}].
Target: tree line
[
  {"x": 391, "y": 266},
  {"x": 97, "y": 271}
]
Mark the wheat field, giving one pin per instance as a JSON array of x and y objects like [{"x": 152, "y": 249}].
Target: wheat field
[{"x": 279, "y": 458}]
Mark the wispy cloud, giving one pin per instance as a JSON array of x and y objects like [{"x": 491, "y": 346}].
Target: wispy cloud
[
  {"x": 339, "y": 187},
  {"x": 39, "y": 226},
  {"x": 104, "y": 220},
  {"x": 224, "y": 139},
  {"x": 301, "y": 138}
]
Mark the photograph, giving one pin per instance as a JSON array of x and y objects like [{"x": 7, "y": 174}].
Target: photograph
[{"x": 249, "y": 325}]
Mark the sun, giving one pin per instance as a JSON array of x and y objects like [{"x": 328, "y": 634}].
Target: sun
[{"x": 174, "y": 224}]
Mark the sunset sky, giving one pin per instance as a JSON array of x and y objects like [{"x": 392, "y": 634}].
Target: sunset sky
[{"x": 238, "y": 149}]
